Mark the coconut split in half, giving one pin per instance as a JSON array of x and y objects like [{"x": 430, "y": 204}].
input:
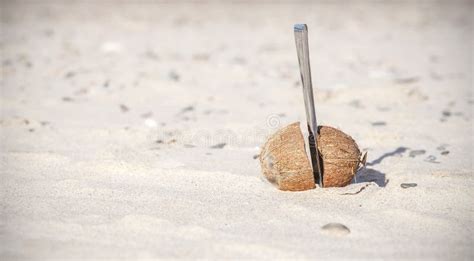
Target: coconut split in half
[{"x": 285, "y": 162}]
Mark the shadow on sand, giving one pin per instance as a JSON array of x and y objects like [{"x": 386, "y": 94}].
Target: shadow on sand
[
  {"x": 371, "y": 175},
  {"x": 367, "y": 174},
  {"x": 397, "y": 151}
]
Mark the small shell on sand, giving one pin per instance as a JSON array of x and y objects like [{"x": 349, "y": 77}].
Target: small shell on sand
[
  {"x": 335, "y": 229},
  {"x": 285, "y": 163}
]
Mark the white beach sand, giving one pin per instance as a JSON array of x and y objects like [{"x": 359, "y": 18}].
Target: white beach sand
[{"x": 109, "y": 112}]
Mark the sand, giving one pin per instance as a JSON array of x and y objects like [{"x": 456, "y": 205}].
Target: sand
[{"x": 130, "y": 130}]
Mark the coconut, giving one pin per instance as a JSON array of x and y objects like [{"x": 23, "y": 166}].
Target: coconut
[
  {"x": 340, "y": 156},
  {"x": 285, "y": 163}
]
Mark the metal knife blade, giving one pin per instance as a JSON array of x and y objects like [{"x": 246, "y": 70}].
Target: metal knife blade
[{"x": 302, "y": 49}]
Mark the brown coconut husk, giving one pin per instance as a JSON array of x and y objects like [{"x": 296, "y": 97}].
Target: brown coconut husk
[
  {"x": 340, "y": 156},
  {"x": 285, "y": 163}
]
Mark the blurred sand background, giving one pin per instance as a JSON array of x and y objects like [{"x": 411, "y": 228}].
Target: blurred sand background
[{"x": 129, "y": 130}]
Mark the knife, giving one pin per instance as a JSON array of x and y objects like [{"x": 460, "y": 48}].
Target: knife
[{"x": 302, "y": 49}]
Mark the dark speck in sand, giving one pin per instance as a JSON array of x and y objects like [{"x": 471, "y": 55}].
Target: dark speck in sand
[
  {"x": 44, "y": 123},
  {"x": 379, "y": 123},
  {"x": 147, "y": 114},
  {"x": 356, "y": 104},
  {"x": 442, "y": 147},
  {"x": 434, "y": 58},
  {"x": 431, "y": 159},
  {"x": 82, "y": 91},
  {"x": 159, "y": 141},
  {"x": 69, "y": 74},
  {"x": 67, "y": 99},
  {"x": 415, "y": 153},
  {"x": 188, "y": 108},
  {"x": 446, "y": 113},
  {"x": 151, "y": 55},
  {"x": 407, "y": 80},
  {"x": 408, "y": 185},
  {"x": 383, "y": 108},
  {"x": 181, "y": 21},
  {"x": 218, "y": 146},
  {"x": 446, "y": 152},
  {"x": 174, "y": 76},
  {"x": 436, "y": 76},
  {"x": 239, "y": 60},
  {"x": 48, "y": 32},
  {"x": 124, "y": 108},
  {"x": 31, "y": 130},
  {"x": 201, "y": 56},
  {"x": 106, "y": 84},
  {"x": 255, "y": 156},
  {"x": 172, "y": 141}
]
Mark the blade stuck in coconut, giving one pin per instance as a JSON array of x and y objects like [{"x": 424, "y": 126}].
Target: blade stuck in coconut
[
  {"x": 285, "y": 158},
  {"x": 301, "y": 39}
]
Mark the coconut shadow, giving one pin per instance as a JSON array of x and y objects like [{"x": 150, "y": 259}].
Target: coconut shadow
[
  {"x": 372, "y": 175},
  {"x": 397, "y": 151}
]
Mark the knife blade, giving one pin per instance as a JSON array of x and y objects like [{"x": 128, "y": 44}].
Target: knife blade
[{"x": 302, "y": 49}]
